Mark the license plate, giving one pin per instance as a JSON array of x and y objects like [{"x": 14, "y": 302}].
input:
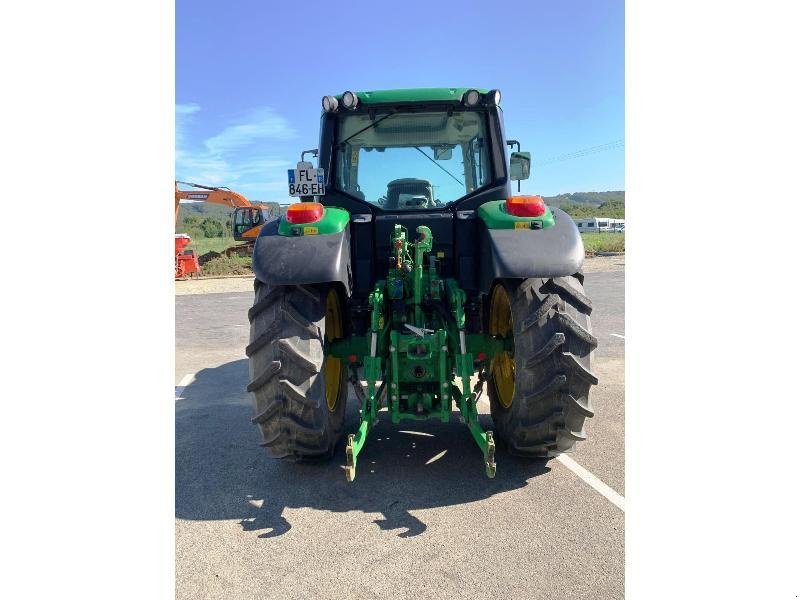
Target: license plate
[{"x": 306, "y": 181}]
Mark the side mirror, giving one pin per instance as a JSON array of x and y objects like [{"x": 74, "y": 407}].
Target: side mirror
[
  {"x": 442, "y": 152},
  {"x": 520, "y": 165}
]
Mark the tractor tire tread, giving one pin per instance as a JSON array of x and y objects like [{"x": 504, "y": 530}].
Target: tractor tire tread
[
  {"x": 550, "y": 302},
  {"x": 272, "y": 369},
  {"x": 564, "y": 287},
  {"x": 577, "y": 329},
  {"x": 570, "y": 361},
  {"x": 291, "y": 352},
  {"x": 260, "y": 306},
  {"x": 553, "y": 350},
  {"x": 286, "y": 354},
  {"x": 260, "y": 342},
  {"x": 548, "y": 349}
]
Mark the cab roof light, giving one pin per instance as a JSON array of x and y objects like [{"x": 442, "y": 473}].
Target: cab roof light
[
  {"x": 472, "y": 97},
  {"x": 304, "y": 212},
  {"x": 493, "y": 98},
  {"x": 349, "y": 100},
  {"x": 330, "y": 103},
  {"x": 526, "y": 206}
]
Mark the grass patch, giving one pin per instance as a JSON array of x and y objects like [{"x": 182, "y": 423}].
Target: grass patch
[
  {"x": 202, "y": 245},
  {"x": 603, "y": 242},
  {"x": 228, "y": 265}
]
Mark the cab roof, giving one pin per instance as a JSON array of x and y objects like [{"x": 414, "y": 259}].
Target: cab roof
[{"x": 413, "y": 95}]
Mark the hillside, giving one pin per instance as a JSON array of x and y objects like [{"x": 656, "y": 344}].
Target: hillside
[
  {"x": 590, "y": 204},
  {"x": 585, "y": 198},
  {"x": 205, "y": 209}
]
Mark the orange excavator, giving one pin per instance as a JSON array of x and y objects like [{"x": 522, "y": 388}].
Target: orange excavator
[{"x": 248, "y": 218}]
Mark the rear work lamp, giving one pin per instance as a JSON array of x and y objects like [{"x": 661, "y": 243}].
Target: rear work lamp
[
  {"x": 472, "y": 97},
  {"x": 349, "y": 100},
  {"x": 329, "y": 103}
]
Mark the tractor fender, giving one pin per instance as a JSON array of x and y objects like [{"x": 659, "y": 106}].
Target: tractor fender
[
  {"x": 556, "y": 251},
  {"x": 300, "y": 260}
]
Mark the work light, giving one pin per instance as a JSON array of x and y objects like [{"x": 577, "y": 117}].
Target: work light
[
  {"x": 493, "y": 98},
  {"x": 472, "y": 97},
  {"x": 329, "y": 103},
  {"x": 350, "y": 100}
]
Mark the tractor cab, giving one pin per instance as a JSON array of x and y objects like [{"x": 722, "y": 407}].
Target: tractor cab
[
  {"x": 415, "y": 157},
  {"x": 411, "y": 157}
]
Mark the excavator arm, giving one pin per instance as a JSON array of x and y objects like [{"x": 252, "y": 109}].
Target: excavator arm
[
  {"x": 248, "y": 217},
  {"x": 215, "y": 195}
]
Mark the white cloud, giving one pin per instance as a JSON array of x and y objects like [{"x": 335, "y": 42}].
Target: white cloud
[
  {"x": 263, "y": 124},
  {"x": 182, "y": 118},
  {"x": 187, "y": 109},
  {"x": 222, "y": 159}
]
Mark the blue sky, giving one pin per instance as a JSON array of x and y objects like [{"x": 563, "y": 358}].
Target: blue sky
[{"x": 250, "y": 76}]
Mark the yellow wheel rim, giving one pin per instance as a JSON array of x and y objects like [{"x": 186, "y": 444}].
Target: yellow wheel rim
[
  {"x": 332, "y": 365},
  {"x": 502, "y": 368}
]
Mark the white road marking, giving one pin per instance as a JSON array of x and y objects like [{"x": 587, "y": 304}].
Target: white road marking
[
  {"x": 588, "y": 477},
  {"x": 184, "y": 383},
  {"x": 618, "y": 335},
  {"x": 593, "y": 480}
]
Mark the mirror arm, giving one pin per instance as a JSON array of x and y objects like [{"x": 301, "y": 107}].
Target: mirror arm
[{"x": 314, "y": 152}]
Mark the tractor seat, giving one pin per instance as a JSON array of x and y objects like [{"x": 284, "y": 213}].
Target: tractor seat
[{"x": 414, "y": 192}]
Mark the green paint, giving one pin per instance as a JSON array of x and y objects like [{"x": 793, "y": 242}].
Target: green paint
[
  {"x": 333, "y": 220},
  {"x": 417, "y": 351},
  {"x": 412, "y": 95},
  {"x": 495, "y": 216}
]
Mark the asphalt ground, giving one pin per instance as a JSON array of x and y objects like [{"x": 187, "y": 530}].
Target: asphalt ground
[{"x": 420, "y": 520}]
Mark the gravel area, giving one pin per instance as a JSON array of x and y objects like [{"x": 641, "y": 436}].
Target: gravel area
[
  {"x": 215, "y": 285},
  {"x": 597, "y": 264}
]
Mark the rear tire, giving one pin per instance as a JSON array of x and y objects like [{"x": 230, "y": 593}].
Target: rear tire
[
  {"x": 540, "y": 398},
  {"x": 290, "y": 381}
]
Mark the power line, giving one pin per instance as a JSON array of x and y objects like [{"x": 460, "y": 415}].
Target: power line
[{"x": 580, "y": 153}]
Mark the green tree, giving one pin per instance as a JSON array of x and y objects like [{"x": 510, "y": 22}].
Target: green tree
[{"x": 212, "y": 228}]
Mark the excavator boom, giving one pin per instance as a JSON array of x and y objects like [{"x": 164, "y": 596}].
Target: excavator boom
[
  {"x": 215, "y": 195},
  {"x": 247, "y": 218}
]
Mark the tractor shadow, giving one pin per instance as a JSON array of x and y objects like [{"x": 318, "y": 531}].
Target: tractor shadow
[{"x": 222, "y": 473}]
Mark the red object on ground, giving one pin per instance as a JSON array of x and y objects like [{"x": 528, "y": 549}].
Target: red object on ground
[{"x": 185, "y": 260}]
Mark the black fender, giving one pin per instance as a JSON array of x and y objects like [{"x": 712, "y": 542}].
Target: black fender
[
  {"x": 521, "y": 253},
  {"x": 302, "y": 259}
]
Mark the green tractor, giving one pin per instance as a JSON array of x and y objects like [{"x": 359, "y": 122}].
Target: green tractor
[{"x": 410, "y": 271}]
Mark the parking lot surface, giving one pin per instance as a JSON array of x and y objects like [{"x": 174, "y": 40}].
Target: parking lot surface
[{"x": 421, "y": 519}]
